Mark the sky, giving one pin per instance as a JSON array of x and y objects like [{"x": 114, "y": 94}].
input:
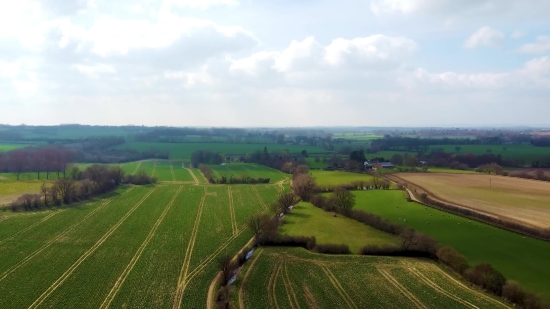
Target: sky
[{"x": 276, "y": 63}]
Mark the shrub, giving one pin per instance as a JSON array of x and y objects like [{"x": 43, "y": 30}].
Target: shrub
[
  {"x": 332, "y": 249},
  {"x": 450, "y": 257}
]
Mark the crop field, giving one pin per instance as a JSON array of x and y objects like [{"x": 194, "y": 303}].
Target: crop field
[
  {"x": 139, "y": 247},
  {"x": 249, "y": 169},
  {"x": 363, "y": 136},
  {"x": 308, "y": 220},
  {"x": 522, "y": 259},
  {"x": 296, "y": 278},
  {"x": 8, "y": 147},
  {"x": 184, "y": 150},
  {"x": 337, "y": 177},
  {"x": 527, "y": 152},
  {"x": 522, "y": 200}
]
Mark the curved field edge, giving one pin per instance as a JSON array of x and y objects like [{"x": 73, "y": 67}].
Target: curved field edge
[{"x": 296, "y": 278}]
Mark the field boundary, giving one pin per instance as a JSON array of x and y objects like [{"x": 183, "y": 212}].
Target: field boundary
[
  {"x": 120, "y": 281},
  {"x": 31, "y": 226},
  {"x": 154, "y": 168},
  {"x": 195, "y": 179},
  {"x": 417, "y": 303},
  {"x": 51, "y": 242},
  {"x": 172, "y": 171},
  {"x": 182, "y": 280},
  {"x": 89, "y": 252}
]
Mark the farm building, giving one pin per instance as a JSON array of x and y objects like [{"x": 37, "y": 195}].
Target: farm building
[{"x": 376, "y": 164}]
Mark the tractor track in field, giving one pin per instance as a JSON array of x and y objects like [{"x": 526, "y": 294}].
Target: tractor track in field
[
  {"x": 182, "y": 279},
  {"x": 55, "y": 239},
  {"x": 195, "y": 179},
  {"x": 310, "y": 299},
  {"x": 259, "y": 197},
  {"x": 292, "y": 299},
  {"x": 271, "y": 285},
  {"x": 417, "y": 303},
  {"x": 89, "y": 252},
  {"x": 338, "y": 287},
  {"x": 245, "y": 280},
  {"x": 232, "y": 210},
  {"x": 172, "y": 171},
  {"x": 154, "y": 168},
  {"x": 481, "y": 295},
  {"x": 137, "y": 168},
  {"x": 120, "y": 281},
  {"x": 437, "y": 288},
  {"x": 31, "y": 226}
]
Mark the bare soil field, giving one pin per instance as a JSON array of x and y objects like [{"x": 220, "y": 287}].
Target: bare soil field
[{"x": 516, "y": 199}]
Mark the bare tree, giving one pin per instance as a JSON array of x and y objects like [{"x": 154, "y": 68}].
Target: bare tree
[
  {"x": 66, "y": 188},
  {"x": 286, "y": 200},
  {"x": 18, "y": 161},
  {"x": 343, "y": 199},
  {"x": 45, "y": 192},
  {"x": 303, "y": 185}
]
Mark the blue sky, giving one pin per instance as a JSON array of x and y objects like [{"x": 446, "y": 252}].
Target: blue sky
[{"x": 275, "y": 63}]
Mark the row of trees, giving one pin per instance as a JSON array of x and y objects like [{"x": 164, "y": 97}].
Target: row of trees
[
  {"x": 79, "y": 185},
  {"x": 206, "y": 157},
  {"x": 42, "y": 161}
]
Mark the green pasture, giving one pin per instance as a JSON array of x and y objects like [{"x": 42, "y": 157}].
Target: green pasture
[
  {"x": 184, "y": 150},
  {"x": 337, "y": 177},
  {"x": 248, "y": 169},
  {"x": 522, "y": 259},
  {"x": 10, "y": 189},
  {"x": 362, "y": 136},
  {"x": 308, "y": 220},
  {"x": 295, "y": 278}
]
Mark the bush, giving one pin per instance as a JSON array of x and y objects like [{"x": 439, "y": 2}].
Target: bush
[
  {"x": 332, "y": 249},
  {"x": 485, "y": 276},
  {"x": 450, "y": 257},
  {"x": 292, "y": 241}
]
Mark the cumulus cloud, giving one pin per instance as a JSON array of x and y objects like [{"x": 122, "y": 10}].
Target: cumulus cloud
[
  {"x": 541, "y": 46},
  {"x": 485, "y": 37},
  {"x": 201, "y": 4}
]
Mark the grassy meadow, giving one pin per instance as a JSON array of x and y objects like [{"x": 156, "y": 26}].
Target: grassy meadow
[
  {"x": 296, "y": 278},
  {"x": 519, "y": 258},
  {"x": 337, "y": 177},
  {"x": 248, "y": 169},
  {"x": 523, "y": 200},
  {"x": 308, "y": 220}
]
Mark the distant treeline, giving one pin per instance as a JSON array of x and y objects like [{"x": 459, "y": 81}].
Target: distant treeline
[
  {"x": 541, "y": 141},
  {"x": 77, "y": 185},
  {"x": 423, "y": 144},
  {"x": 467, "y": 160}
]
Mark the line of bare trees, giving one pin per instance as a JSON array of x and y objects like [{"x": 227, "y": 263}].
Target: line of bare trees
[
  {"x": 42, "y": 161},
  {"x": 79, "y": 185}
]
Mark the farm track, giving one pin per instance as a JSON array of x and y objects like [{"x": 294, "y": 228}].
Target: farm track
[
  {"x": 182, "y": 280},
  {"x": 54, "y": 240},
  {"x": 137, "y": 168},
  {"x": 259, "y": 197},
  {"x": 292, "y": 299},
  {"x": 271, "y": 295},
  {"x": 193, "y": 175},
  {"x": 232, "y": 210},
  {"x": 120, "y": 281},
  {"x": 154, "y": 169},
  {"x": 417, "y": 303},
  {"x": 338, "y": 287},
  {"x": 437, "y": 288},
  {"x": 310, "y": 299},
  {"x": 245, "y": 278},
  {"x": 31, "y": 226},
  {"x": 172, "y": 171},
  {"x": 89, "y": 252}
]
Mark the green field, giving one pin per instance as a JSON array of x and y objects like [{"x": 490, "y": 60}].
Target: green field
[
  {"x": 10, "y": 190},
  {"x": 296, "y": 278},
  {"x": 139, "y": 247},
  {"x": 361, "y": 136},
  {"x": 8, "y": 147},
  {"x": 184, "y": 150},
  {"x": 337, "y": 177},
  {"x": 522, "y": 259},
  {"x": 308, "y": 220},
  {"x": 248, "y": 169}
]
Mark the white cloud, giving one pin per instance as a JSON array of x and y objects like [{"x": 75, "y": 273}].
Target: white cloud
[
  {"x": 541, "y": 46},
  {"x": 517, "y": 34},
  {"x": 94, "y": 70},
  {"x": 201, "y": 4},
  {"x": 485, "y": 37}
]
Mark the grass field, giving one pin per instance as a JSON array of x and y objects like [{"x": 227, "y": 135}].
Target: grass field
[
  {"x": 362, "y": 136},
  {"x": 249, "y": 169},
  {"x": 296, "y": 278},
  {"x": 8, "y": 147},
  {"x": 522, "y": 200},
  {"x": 139, "y": 247},
  {"x": 519, "y": 258},
  {"x": 337, "y": 177},
  {"x": 10, "y": 190},
  {"x": 184, "y": 150},
  {"x": 308, "y": 220}
]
